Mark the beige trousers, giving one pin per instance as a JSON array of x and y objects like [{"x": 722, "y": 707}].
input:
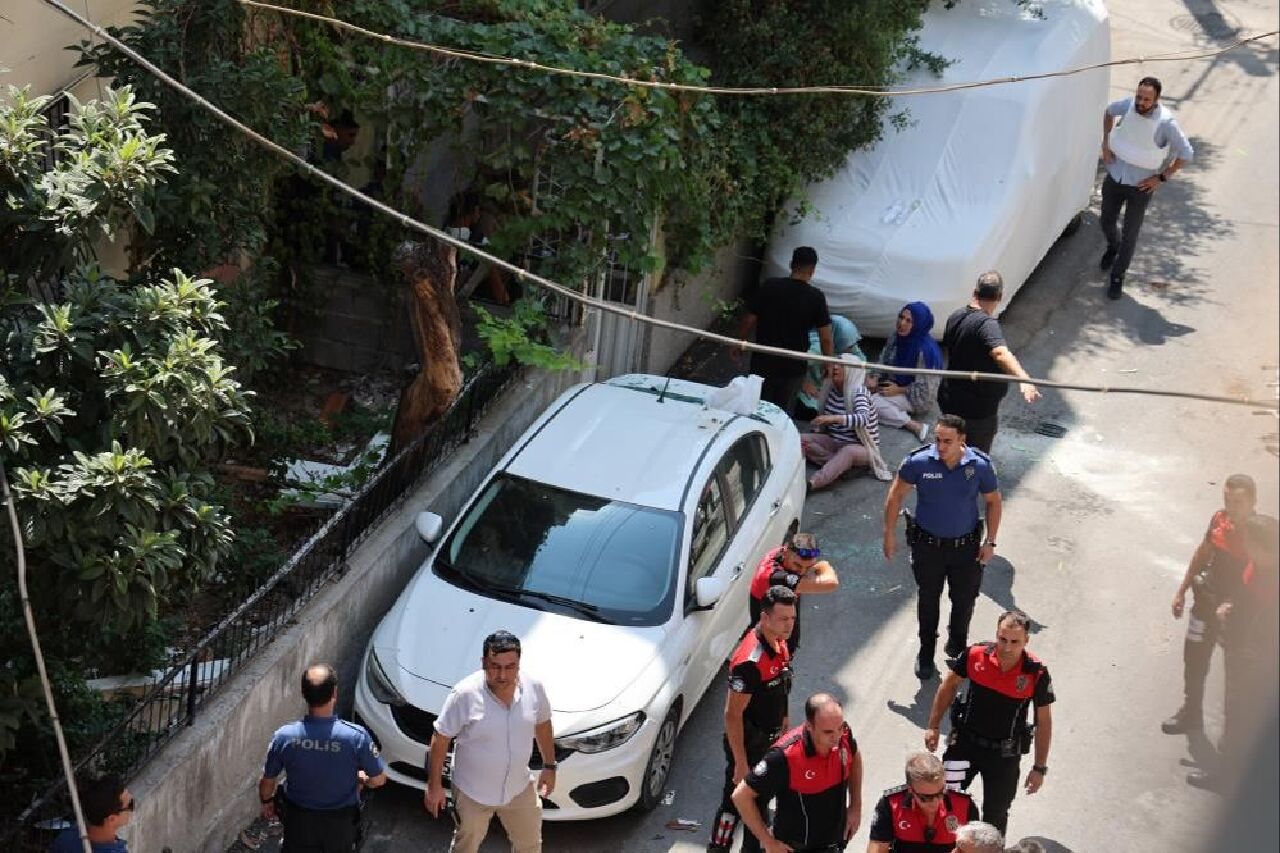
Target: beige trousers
[{"x": 521, "y": 818}]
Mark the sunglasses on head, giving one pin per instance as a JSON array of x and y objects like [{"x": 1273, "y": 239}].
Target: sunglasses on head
[{"x": 808, "y": 553}]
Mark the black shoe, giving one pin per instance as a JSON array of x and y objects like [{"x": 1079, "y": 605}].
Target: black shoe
[
  {"x": 1205, "y": 781},
  {"x": 1108, "y": 258},
  {"x": 954, "y": 650},
  {"x": 1113, "y": 289},
  {"x": 925, "y": 669},
  {"x": 1182, "y": 723}
]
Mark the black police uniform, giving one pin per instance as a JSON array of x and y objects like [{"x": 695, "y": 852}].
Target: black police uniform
[
  {"x": 812, "y": 790},
  {"x": 989, "y": 727},
  {"x": 903, "y": 825},
  {"x": 757, "y": 670},
  {"x": 319, "y": 803},
  {"x": 1213, "y": 585}
]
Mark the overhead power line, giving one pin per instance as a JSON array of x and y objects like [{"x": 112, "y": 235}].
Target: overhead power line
[
  {"x": 874, "y": 91},
  {"x": 600, "y": 304}
]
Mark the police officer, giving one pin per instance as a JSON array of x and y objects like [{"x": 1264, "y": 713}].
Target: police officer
[
  {"x": 796, "y": 564},
  {"x": 326, "y": 762},
  {"x": 989, "y": 730},
  {"x": 755, "y": 712},
  {"x": 921, "y": 816},
  {"x": 946, "y": 534},
  {"x": 1214, "y": 569},
  {"x": 815, "y": 772}
]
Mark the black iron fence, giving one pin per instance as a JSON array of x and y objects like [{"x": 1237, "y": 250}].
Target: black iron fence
[{"x": 160, "y": 706}]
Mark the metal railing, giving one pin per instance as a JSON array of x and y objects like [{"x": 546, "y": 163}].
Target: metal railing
[{"x": 166, "y": 703}]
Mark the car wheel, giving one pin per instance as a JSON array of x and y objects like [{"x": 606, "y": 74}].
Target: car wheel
[{"x": 654, "y": 782}]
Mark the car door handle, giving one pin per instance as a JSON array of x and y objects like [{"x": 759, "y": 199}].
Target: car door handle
[
  {"x": 737, "y": 570},
  {"x": 774, "y": 507}
]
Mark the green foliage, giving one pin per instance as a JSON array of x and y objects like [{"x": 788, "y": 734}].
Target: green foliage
[
  {"x": 521, "y": 337},
  {"x": 252, "y": 339},
  {"x": 222, "y": 204},
  {"x": 774, "y": 146},
  {"x": 112, "y": 399}
]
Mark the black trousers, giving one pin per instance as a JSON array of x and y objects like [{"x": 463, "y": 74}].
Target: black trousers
[
  {"x": 1203, "y": 630},
  {"x": 319, "y": 830},
  {"x": 755, "y": 743},
  {"x": 964, "y": 761},
  {"x": 781, "y": 390},
  {"x": 1114, "y": 196},
  {"x": 960, "y": 571},
  {"x": 981, "y": 432}
]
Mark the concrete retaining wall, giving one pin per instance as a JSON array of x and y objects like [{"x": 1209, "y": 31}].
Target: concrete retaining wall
[{"x": 199, "y": 791}]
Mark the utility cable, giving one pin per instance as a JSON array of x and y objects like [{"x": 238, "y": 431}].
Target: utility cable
[
  {"x": 600, "y": 304},
  {"x": 873, "y": 91},
  {"x": 7, "y": 498}
]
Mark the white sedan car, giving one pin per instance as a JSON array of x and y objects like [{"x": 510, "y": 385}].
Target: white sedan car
[{"x": 617, "y": 540}]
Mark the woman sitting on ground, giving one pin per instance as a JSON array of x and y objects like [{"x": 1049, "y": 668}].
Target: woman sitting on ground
[
  {"x": 902, "y": 399},
  {"x": 844, "y": 339},
  {"x": 846, "y": 434}
]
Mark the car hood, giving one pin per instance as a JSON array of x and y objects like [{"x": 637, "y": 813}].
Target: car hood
[{"x": 437, "y": 630}]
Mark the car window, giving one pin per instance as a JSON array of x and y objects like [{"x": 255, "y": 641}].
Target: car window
[
  {"x": 616, "y": 558},
  {"x": 744, "y": 469},
  {"x": 710, "y": 532}
]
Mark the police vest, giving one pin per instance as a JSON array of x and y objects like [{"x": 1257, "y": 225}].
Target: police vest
[
  {"x": 770, "y": 673},
  {"x": 913, "y": 833},
  {"x": 811, "y": 811},
  {"x": 996, "y": 702}
]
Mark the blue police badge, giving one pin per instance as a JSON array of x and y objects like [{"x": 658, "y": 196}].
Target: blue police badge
[{"x": 968, "y": 472}]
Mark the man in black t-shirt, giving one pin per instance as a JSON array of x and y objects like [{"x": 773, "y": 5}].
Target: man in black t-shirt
[
  {"x": 975, "y": 342},
  {"x": 782, "y": 311}
]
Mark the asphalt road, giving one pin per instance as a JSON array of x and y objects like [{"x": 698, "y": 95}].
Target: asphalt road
[{"x": 1098, "y": 523}]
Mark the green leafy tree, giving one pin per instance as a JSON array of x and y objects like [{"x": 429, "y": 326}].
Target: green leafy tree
[{"x": 113, "y": 397}]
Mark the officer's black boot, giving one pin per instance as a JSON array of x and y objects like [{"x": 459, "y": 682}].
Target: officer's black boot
[{"x": 925, "y": 668}]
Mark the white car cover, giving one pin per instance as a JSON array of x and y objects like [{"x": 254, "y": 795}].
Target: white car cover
[{"x": 982, "y": 179}]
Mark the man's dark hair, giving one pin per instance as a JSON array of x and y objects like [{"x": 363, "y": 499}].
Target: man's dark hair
[
  {"x": 1027, "y": 845},
  {"x": 990, "y": 286},
  {"x": 954, "y": 421},
  {"x": 778, "y": 594},
  {"x": 501, "y": 641},
  {"x": 462, "y": 205},
  {"x": 1243, "y": 483},
  {"x": 817, "y": 702},
  {"x": 803, "y": 540},
  {"x": 1153, "y": 82},
  {"x": 1016, "y": 618},
  {"x": 803, "y": 257},
  {"x": 318, "y": 692},
  {"x": 100, "y": 798}
]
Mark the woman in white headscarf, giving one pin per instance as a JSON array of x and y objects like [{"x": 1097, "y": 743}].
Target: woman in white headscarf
[{"x": 846, "y": 432}]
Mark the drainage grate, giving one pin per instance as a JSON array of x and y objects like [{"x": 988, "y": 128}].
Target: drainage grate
[{"x": 1051, "y": 429}]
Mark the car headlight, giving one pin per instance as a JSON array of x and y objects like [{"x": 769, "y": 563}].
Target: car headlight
[
  {"x": 379, "y": 685},
  {"x": 603, "y": 737}
]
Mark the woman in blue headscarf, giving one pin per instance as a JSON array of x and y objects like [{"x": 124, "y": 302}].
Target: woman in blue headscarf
[
  {"x": 844, "y": 340},
  {"x": 901, "y": 399}
]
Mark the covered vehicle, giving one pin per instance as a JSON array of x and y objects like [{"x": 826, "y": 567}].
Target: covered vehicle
[{"x": 982, "y": 178}]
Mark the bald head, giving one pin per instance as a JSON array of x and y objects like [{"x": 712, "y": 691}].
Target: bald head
[{"x": 319, "y": 685}]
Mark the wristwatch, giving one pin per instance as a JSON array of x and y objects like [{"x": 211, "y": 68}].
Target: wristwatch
[
  {"x": 550, "y": 766},
  {"x": 990, "y": 543},
  {"x": 1042, "y": 769}
]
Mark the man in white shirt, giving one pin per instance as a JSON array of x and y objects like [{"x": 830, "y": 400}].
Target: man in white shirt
[
  {"x": 1136, "y": 150},
  {"x": 495, "y": 715}
]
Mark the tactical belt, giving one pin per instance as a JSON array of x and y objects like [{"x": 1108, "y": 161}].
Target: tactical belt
[{"x": 917, "y": 535}]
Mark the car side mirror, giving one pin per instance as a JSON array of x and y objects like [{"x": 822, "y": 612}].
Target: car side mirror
[
  {"x": 429, "y": 526},
  {"x": 707, "y": 591}
]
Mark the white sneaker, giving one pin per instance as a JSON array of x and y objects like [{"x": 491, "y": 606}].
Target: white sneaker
[{"x": 923, "y": 432}]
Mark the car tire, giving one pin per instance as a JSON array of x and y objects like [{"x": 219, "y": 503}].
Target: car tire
[{"x": 653, "y": 783}]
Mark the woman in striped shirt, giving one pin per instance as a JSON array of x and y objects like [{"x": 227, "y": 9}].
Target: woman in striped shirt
[{"x": 846, "y": 434}]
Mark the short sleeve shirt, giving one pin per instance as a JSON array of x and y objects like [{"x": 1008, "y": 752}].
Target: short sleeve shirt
[
  {"x": 785, "y": 310},
  {"x": 320, "y": 757},
  {"x": 899, "y": 823},
  {"x": 970, "y": 336},
  {"x": 764, "y": 674},
  {"x": 997, "y": 700},
  {"x": 946, "y": 498},
  {"x": 811, "y": 790},
  {"x": 494, "y": 742},
  {"x": 68, "y": 841}
]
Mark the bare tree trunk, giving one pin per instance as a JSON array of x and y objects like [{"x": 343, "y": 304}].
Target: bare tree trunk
[{"x": 430, "y": 268}]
